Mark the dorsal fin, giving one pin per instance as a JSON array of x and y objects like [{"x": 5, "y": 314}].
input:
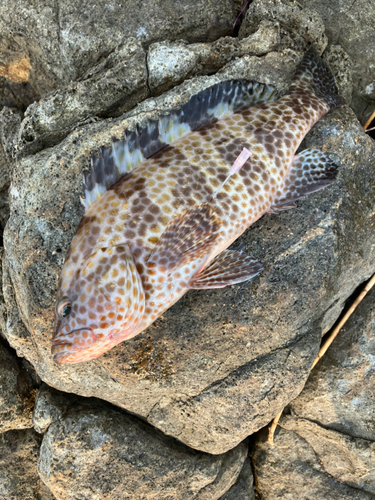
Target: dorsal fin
[{"x": 124, "y": 155}]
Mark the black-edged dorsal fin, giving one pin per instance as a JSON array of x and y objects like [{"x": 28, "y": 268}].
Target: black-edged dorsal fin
[{"x": 124, "y": 155}]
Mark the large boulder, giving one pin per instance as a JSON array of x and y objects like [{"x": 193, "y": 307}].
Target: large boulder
[
  {"x": 325, "y": 444},
  {"x": 349, "y": 27},
  {"x": 19, "y": 479},
  {"x": 100, "y": 452},
  {"x": 48, "y": 44},
  {"x": 219, "y": 364}
]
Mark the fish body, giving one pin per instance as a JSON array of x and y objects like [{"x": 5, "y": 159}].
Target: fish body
[{"x": 164, "y": 204}]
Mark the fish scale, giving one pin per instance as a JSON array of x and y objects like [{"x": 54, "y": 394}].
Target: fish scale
[{"x": 164, "y": 204}]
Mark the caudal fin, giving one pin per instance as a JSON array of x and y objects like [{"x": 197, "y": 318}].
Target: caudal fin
[{"x": 313, "y": 75}]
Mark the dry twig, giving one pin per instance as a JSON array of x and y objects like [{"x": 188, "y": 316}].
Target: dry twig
[
  {"x": 327, "y": 343},
  {"x": 367, "y": 124}
]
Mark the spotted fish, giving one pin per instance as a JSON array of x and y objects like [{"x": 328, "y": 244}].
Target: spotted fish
[{"x": 164, "y": 204}]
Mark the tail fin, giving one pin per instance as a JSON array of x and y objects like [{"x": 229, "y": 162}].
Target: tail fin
[{"x": 313, "y": 75}]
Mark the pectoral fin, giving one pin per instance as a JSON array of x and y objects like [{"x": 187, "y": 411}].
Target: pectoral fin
[
  {"x": 311, "y": 170},
  {"x": 228, "y": 268},
  {"x": 188, "y": 236}
]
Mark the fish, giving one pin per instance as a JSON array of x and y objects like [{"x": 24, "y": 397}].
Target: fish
[{"x": 163, "y": 204}]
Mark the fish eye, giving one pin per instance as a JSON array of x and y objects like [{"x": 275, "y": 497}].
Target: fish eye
[{"x": 64, "y": 307}]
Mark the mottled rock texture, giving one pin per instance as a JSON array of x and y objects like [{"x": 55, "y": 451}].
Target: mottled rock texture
[
  {"x": 19, "y": 478},
  {"x": 325, "y": 448},
  {"x": 123, "y": 79},
  {"x": 309, "y": 461},
  {"x": 352, "y": 25},
  {"x": 104, "y": 453},
  {"x": 340, "y": 392},
  {"x": 47, "y": 44},
  {"x": 4, "y": 187},
  {"x": 297, "y": 27},
  {"x": 17, "y": 394},
  {"x": 109, "y": 88},
  {"x": 348, "y": 25},
  {"x": 219, "y": 364},
  {"x": 50, "y": 405},
  {"x": 243, "y": 488}
]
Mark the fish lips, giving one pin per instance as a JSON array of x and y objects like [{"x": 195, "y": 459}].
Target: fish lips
[
  {"x": 64, "y": 345},
  {"x": 78, "y": 339}
]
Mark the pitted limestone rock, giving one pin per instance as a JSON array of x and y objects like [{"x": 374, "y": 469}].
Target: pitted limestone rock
[
  {"x": 211, "y": 342},
  {"x": 113, "y": 454},
  {"x": 17, "y": 395}
]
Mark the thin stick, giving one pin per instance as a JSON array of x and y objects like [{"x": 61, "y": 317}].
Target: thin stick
[
  {"x": 327, "y": 343},
  {"x": 369, "y": 120},
  {"x": 345, "y": 318},
  {"x": 271, "y": 430}
]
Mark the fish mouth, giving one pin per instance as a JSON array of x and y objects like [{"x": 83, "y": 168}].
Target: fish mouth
[{"x": 74, "y": 346}]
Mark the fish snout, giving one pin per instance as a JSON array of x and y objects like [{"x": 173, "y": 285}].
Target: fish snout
[{"x": 77, "y": 340}]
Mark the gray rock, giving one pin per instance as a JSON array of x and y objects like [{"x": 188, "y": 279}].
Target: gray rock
[
  {"x": 243, "y": 488},
  {"x": 340, "y": 392},
  {"x": 170, "y": 63},
  {"x": 4, "y": 188},
  {"x": 50, "y": 406},
  {"x": 298, "y": 27},
  {"x": 326, "y": 448},
  {"x": 341, "y": 65},
  {"x": 10, "y": 122},
  {"x": 219, "y": 364},
  {"x": 351, "y": 25},
  {"x": 19, "y": 478},
  {"x": 17, "y": 395},
  {"x": 47, "y": 45},
  {"x": 119, "y": 82},
  {"x": 308, "y": 461},
  {"x": 97, "y": 451},
  {"x": 109, "y": 89}
]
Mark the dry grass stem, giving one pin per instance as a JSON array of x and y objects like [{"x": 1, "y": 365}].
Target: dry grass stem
[
  {"x": 344, "y": 319},
  {"x": 330, "y": 339},
  {"x": 271, "y": 430},
  {"x": 369, "y": 121}
]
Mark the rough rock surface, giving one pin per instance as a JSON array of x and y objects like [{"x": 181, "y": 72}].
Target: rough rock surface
[
  {"x": 4, "y": 187},
  {"x": 19, "y": 478},
  {"x": 326, "y": 447},
  {"x": 243, "y": 488},
  {"x": 309, "y": 461},
  {"x": 112, "y": 87},
  {"x": 50, "y": 405},
  {"x": 340, "y": 392},
  {"x": 101, "y": 452},
  {"x": 208, "y": 372},
  {"x": 352, "y": 25},
  {"x": 47, "y": 44},
  {"x": 170, "y": 63},
  {"x": 298, "y": 27},
  {"x": 17, "y": 394},
  {"x": 119, "y": 82}
]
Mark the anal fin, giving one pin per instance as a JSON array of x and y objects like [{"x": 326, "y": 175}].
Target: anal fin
[
  {"x": 311, "y": 171},
  {"x": 228, "y": 268},
  {"x": 188, "y": 236}
]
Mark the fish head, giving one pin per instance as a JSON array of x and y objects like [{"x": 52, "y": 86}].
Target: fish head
[{"x": 99, "y": 304}]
